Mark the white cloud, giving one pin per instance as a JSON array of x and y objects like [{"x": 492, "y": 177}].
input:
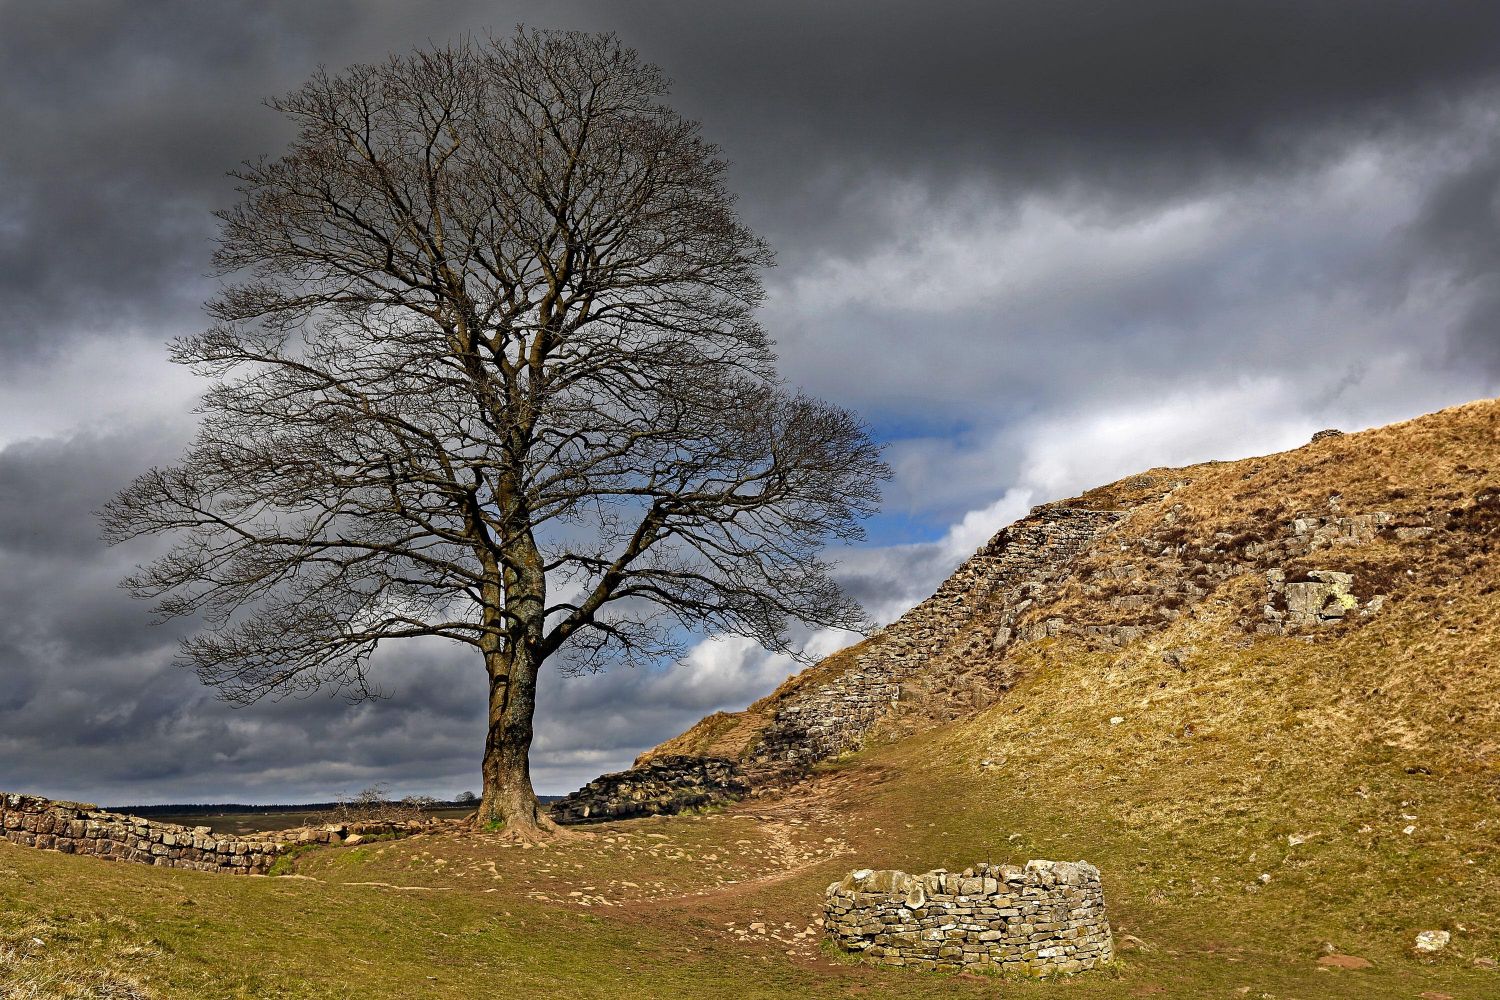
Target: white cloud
[
  {"x": 99, "y": 383},
  {"x": 981, "y": 309},
  {"x": 973, "y": 252}
]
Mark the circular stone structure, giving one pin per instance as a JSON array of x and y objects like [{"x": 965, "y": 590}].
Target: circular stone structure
[{"x": 1043, "y": 919}]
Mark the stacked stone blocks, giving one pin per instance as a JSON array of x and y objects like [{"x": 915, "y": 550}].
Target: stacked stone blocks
[
  {"x": 1044, "y": 919},
  {"x": 1014, "y": 566},
  {"x": 661, "y": 786},
  {"x": 76, "y": 828},
  {"x": 1017, "y": 562}
]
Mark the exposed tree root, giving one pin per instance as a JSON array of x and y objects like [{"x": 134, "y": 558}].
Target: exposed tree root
[{"x": 543, "y": 830}]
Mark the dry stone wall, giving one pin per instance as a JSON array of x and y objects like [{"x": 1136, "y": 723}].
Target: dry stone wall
[
  {"x": 350, "y": 834},
  {"x": 76, "y": 828},
  {"x": 1043, "y": 919},
  {"x": 1060, "y": 572},
  {"x": 1016, "y": 565},
  {"x": 79, "y": 828},
  {"x": 662, "y": 786}
]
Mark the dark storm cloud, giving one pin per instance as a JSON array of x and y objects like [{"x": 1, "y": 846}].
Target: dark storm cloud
[
  {"x": 118, "y": 128},
  {"x": 119, "y": 120},
  {"x": 47, "y": 489},
  {"x": 1460, "y": 225},
  {"x": 1120, "y": 233},
  {"x": 93, "y": 706},
  {"x": 118, "y": 123},
  {"x": 1150, "y": 97}
]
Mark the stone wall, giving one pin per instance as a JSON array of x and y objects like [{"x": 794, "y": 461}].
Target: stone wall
[
  {"x": 661, "y": 786},
  {"x": 1013, "y": 568},
  {"x": 350, "y": 834},
  {"x": 77, "y": 828},
  {"x": 1059, "y": 572},
  {"x": 1043, "y": 919}
]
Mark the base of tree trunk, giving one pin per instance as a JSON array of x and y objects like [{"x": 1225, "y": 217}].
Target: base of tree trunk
[
  {"x": 543, "y": 829},
  {"x": 523, "y": 822}
]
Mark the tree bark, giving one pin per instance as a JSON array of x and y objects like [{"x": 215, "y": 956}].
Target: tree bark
[
  {"x": 517, "y": 295},
  {"x": 509, "y": 800}
]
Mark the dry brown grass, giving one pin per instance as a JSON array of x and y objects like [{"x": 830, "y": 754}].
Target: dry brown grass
[
  {"x": 1420, "y": 465},
  {"x": 85, "y": 958},
  {"x": 1413, "y": 470},
  {"x": 722, "y": 734}
]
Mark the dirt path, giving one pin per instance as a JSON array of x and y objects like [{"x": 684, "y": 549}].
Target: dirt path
[{"x": 804, "y": 828}]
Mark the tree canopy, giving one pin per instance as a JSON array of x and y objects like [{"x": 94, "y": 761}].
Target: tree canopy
[{"x": 486, "y": 366}]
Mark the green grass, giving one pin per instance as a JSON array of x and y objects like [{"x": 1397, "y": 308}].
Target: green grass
[
  {"x": 1249, "y": 812},
  {"x": 462, "y": 917},
  {"x": 1182, "y": 828}
]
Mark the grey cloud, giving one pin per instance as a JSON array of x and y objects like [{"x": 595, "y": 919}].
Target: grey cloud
[
  {"x": 92, "y": 706},
  {"x": 885, "y": 148},
  {"x": 1147, "y": 99},
  {"x": 47, "y": 489},
  {"x": 119, "y": 123},
  {"x": 120, "y": 119},
  {"x": 1306, "y": 278},
  {"x": 1460, "y": 225}
]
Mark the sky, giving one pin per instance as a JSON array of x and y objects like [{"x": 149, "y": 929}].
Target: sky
[{"x": 1037, "y": 245}]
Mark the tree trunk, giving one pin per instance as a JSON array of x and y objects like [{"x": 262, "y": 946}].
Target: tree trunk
[{"x": 509, "y": 799}]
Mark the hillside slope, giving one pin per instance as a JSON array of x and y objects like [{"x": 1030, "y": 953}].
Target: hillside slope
[
  {"x": 1265, "y": 694},
  {"x": 1311, "y": 545},
  {"x": 1284, "y": 775}
]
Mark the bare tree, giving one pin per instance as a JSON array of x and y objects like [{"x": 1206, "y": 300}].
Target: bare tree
[{"x": 486, "y": 367}]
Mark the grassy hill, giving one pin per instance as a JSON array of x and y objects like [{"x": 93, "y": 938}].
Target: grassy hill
[{"x": 1259, "y": 798}]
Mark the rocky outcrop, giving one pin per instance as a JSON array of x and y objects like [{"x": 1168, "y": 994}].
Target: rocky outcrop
[
  {"x": 1307, "y": 533},
  {"x": 1045, "y": 918},
  {"x": 1063, "y": 572},
  {"x": 1133, "y": 594},
  {"x": 78, "y": 828},
  {"x": 1323, "y": 597},
  {"x": 1011, "y": 569},
  {"x": 661, "y": 786}
]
